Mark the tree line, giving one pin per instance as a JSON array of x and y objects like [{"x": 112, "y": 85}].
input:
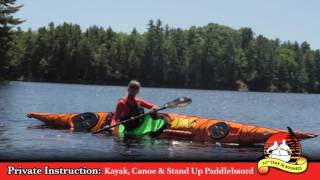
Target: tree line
[{"x": 207, "y": 57}]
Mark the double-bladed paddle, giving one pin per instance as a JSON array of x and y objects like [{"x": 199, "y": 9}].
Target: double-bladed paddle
[{"x": 177, "y": 103}]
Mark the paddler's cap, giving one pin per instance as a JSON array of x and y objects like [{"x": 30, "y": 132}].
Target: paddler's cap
[{"x": 134, "y": 84}]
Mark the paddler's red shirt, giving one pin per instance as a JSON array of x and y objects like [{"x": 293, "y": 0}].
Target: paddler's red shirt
[{"x": 122, "y": 108}]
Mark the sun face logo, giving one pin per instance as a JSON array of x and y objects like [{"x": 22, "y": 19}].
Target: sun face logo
[{"x": 283, "y": 151}]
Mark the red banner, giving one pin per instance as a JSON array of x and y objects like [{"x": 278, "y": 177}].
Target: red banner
[{"x": 144, "y": 170}]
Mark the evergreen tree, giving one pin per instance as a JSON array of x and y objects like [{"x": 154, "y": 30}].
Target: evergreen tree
[
  {"x": 7, "y": 22},
  {"x": 286, "y": 68},
  {"x": 134, "y": 49},
  {"x": 152, "y": 66},
  {"x": 195, "y": 45},
  {"x": 317, "y": 70}
]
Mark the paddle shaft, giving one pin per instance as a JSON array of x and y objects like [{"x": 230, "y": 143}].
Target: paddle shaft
[{"x": 128, "y": 120}]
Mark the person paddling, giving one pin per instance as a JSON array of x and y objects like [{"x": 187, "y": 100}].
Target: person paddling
[{"x": 130, "y": 106}]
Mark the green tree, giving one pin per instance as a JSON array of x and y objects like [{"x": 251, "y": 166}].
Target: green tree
[
  {"x": 16, "y": 54},
  {"x": 26, "y": 62},
  {"x": 248, "y": 67},
  {"x": 317, "y": 70},
  {"x": 264, "y": 65},
  {"x": 134, "y": 48},
  {"x": 311, "y": 71},
  {"x": 7, "y": 22},
  {"x": 195, "y": 44},
  {"x": 287, "y": 68},
  {"x": 176, "y": 58},
  {"x": 153, "y": 66}
]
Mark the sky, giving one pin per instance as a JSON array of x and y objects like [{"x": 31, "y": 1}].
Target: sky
[{"x": 294, "y": 20}]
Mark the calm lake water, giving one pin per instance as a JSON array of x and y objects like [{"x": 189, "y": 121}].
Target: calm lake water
[{"x": 22, "y": 138}]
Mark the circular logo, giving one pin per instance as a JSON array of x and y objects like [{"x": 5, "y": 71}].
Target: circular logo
[{"x": 283, "y": 146}]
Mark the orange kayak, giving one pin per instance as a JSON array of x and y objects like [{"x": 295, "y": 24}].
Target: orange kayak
[{"x": 178, "y": 126}]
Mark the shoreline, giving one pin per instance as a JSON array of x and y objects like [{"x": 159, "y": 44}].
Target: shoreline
[{"x": 161, "y": 87}]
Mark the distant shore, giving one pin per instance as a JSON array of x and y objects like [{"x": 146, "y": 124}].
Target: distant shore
[{"x": 241, "y": 88}]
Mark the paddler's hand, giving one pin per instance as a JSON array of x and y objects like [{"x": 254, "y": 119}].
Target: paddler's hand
[
  {"x": 109, "y": 130},
  {"x": 154, "y": 108},
  {"x": 154, "y": 114}
]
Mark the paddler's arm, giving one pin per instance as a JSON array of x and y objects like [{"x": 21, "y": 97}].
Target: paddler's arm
[
  {"x": 119, "y": 110},
  {"x": 147, "y": 104}
]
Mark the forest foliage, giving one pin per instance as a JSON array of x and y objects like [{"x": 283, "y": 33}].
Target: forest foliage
[{"x": 208, "y": 57}]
